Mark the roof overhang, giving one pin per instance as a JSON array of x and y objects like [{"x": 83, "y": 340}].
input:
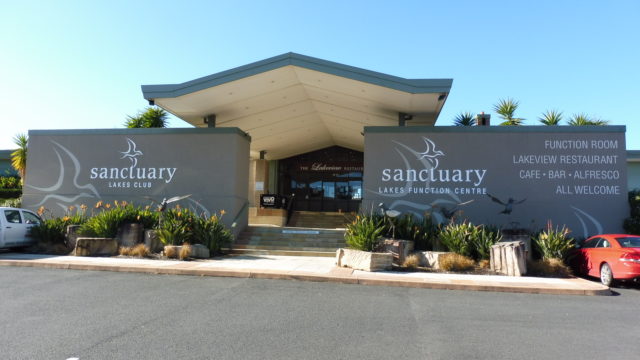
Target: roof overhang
[{"x": 291, "y": 104}]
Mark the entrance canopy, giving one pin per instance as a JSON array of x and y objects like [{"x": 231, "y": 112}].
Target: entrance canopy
[{"x": 292, "y": 104}]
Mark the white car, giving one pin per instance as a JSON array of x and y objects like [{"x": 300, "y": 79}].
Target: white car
[{"x": 15, "y": 225}]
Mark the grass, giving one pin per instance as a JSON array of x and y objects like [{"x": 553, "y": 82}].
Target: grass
[
  {"x": 456, "y": 262},
  {"x": 139, "y": 250},
  {"x": 170, "y": 252},
  {"x": 548, "y": 268},
  {"x": 185, "y": 252},
  {"x": 411, "y": 262}
]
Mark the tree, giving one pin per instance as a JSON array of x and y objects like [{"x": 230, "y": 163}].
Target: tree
[
  {"x": 583, "y": 119},
  {"x": 506, "y": 108},
  {"x": 19, "y": 156},
  {"x": 551, "y": 117},
  {"x": 151, "y": 117},
  {"x": 464, "y": 119}
]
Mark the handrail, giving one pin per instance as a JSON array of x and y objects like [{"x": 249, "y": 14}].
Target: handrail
[
  {"x": 292, "y": 199},
  {"x": 235, "y": 219}
]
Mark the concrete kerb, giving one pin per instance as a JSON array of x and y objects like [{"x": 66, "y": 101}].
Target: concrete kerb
[{"x": 575, "y": 286}]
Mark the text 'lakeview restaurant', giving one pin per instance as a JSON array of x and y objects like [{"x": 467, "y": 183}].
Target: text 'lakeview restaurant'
[{"x": 317, "y": 136}]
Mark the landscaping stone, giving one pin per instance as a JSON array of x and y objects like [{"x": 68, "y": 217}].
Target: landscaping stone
[
  {"x": 518, "y": 235},
  {"x": 130, "y": 234},
  {"x": 431, "y": 258},
  {"x": 71, "y": 235},
  {"x": 400, "y": 249},
  {"x": 363, "y": 260},
  {"x": 86, "y": 246},
  {"x": 152, "y": 241},
  {"x": 509, "y": 258}
]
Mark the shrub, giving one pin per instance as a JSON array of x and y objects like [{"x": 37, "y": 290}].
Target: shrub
[
  {"x": 482, "y": 240},
  {"x": 420, "y": 231},
  {"x": 106, "y": 223},
  {"x": 52, "y": 230},
  {"x": 548, "y": 268},
  {"x": 212, "y": 233},
  {"x": 553, "y": 243},
  {"x": 364, "y": 232},
  {"x": 170, "y": 252},
  {"x": 10, "y": 193},
  {"x": 176, "y": 226},
  {"x": 457, "y": 237},
  {"x": 15, "y": 203},
  {"x": 411, "y": 262},
  {"x": 456, "y": 262},
  {"x": 632, "y": 223},
  {"x": 185, "y": 252},
  {"x": 10, "y": 182}
]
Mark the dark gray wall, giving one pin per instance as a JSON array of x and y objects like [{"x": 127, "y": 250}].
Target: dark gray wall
[
  {"x": 571, "y": 175},
  {"x": 75, "y": 167}
]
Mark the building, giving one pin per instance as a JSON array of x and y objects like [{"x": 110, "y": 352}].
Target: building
[{"x": 336, "y": 138}]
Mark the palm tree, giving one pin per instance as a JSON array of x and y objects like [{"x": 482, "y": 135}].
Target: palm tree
[
  {"x": 19, "y": 156},
  {"x": 151, "y": 117},
  {"x": 464, "y": 119},
  {"x": 583, "y": 119},
  {"x": 551, "y": 117},
  {"x": 506, "y": 108}
]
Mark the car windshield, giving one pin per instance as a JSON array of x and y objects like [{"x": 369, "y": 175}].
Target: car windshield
[{"x": 629, "y": 242}]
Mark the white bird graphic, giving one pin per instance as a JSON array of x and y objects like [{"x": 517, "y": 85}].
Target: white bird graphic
[
  {"x": 431, "y": 153},
  {"x": 131, "y": 153}
]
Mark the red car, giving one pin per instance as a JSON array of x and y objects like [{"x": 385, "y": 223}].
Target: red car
[{"x": 609, "y": 257}]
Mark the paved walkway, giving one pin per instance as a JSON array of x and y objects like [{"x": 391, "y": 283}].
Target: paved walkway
[{"x": 309, "y": 269}]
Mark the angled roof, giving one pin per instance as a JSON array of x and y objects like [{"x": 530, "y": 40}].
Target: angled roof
[{"x": 293, "y": 103}]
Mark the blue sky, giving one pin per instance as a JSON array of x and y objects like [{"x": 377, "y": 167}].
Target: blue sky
[{"x": 80, "y": 64}]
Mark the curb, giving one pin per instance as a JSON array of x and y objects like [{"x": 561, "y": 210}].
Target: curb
[{"x": 284, "y": 275}]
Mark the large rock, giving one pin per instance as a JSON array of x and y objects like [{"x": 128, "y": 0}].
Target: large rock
[
  {"x": 86, "y": 246},
  {"x": 364, "y": 260},
  {"x": 400, "y": 249},
  {"x": 431, "y": 258},
  {"x": 130, "y": 234},
  {"x": 509, "y": 258},
  {"x": 71, "y": 235},
  {"x": 152, "y": 241}
]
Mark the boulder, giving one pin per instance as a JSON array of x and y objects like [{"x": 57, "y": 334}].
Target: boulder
[
  {"x": 152, "y": 241},
  {"x": 400, "y": 249},
  {"x": 71, "y": 235},
  {"x": 86, "y": 246},
  {"x": 509, "y": 258},
  {"x": 198, "y": 251},
  {"x": 130, "y": 234},
  {"x": 431, "y": 258},
  {"x": 364, "y": 260}
]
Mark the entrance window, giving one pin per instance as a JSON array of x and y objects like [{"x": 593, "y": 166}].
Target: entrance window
[{"x": 325, "y": 180}]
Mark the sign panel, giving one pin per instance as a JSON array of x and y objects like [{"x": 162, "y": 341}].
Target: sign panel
[
  {"x": 81, "y": 167},
  {"x": 507, "y": 176}
]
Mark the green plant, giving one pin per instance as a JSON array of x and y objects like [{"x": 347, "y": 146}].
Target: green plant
[
  {"x": 10, "y": 182},
  {"x": 632, "y": 223},
  {"x": 19, "y": 156},
  {"x": 106, "y": 223},
  {"x": 455, "y": 262},
  {"x": 553, "y": 243},
  {"x": 364, "y": 232},
  {"x": 52, "y": 231},
  {"x": 212, "y": 233},
  {"x": 584, "y": 119},
  {"x": 457, "y": 237},
  {"x": 464, "y": 119},
  {"x": 506, "y": 108},
  {"x": 177, "y": 226},
  {"x": 15, "y": 202},
  {"x": 551, "y": 118},
  {"x": 151, "y": 117},
  {"x": 420, "y": 231},
  {"x": 482, "y": 240}
]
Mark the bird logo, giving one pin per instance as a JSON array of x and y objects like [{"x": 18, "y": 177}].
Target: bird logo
[
  {"x": 431, "y": 154},
  {"x": 131, "y": 153},
  {"x": 508, "y": 206}
]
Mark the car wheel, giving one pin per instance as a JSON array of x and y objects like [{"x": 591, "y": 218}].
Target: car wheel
[{"x": 606, "y": 275}]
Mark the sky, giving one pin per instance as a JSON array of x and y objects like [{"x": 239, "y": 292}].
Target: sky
[{"x": 79, "y": 64}]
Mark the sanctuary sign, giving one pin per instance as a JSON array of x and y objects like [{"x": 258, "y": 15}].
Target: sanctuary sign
[{"x": 506, "y": 176}]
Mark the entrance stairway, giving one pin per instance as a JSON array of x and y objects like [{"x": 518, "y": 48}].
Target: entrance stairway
[
  {"x": 290, "y": 241},
  {"x": 325, "y": 220}
]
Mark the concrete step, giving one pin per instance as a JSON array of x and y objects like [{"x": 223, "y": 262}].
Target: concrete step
[{"x": 282, "y": 252}]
